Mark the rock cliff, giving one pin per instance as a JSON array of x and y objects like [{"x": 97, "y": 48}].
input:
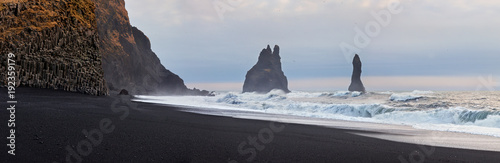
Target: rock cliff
[
  {"x": 267, "y": 74},
  {"x": 83, "y": 46},
  {"x": 356, "y": 84},
  {"x": 55, "y": 43},
  {"x": 128, "y": 61}
]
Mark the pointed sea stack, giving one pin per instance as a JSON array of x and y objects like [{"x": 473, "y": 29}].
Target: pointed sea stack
[
  {"x": 266, "y": 75},
  {"x": 356, "y": 84}
]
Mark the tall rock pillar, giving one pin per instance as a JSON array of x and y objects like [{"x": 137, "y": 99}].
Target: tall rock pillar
[{"x": 356, "y": 84}]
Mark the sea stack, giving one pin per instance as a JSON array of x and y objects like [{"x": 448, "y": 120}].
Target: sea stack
[
  {"x": 267, "y": 74},
  {"x": 356, "y": 84}
]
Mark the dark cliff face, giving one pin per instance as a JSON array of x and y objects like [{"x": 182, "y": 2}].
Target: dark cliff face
[
  {"x": 356, "y": 84},
  {"x": 55, "y": 43},
  {"x": 267, "y": 74},
  {"x": 159, "y": 77},
  {"x": 128, "y": 61},
  {"x": 74, "y": 45}
]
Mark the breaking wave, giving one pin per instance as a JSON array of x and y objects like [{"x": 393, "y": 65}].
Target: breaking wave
[{"x": 456, "y": 119}]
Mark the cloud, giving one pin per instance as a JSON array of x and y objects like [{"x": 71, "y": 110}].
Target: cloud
[
  {"x": 429, "y": 38},
  {"x": 176, "y": 12}
]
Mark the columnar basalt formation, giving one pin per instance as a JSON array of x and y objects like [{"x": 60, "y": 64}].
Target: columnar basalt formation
[
  {"x": 267, "y": 74},
  {"x": 59, "y": 44},
  {"x": 356, "y": 84},
  {"x": 55, "y": 43}
]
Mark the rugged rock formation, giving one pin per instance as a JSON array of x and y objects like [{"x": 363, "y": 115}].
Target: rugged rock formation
[
  {"x": 128, "y": 60},
  {"x": 59, "y": 44},
  {"x": 356, "y": 84},
  {"x": 55, "y": 43},
  {"x": 266, "y": 75},
  {"x": 123, "y": 92}
]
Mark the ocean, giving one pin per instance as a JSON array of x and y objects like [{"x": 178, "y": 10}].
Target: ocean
[{"x": 472, "y": 112}]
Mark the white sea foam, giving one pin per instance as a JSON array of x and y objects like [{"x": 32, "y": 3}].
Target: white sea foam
[
  {"x": 454, "y": 119},
  {"x": 404, "y": 97},
  {"x": 422, "y": 92},
  {"x": 408, "y": 96},
  {"x": 340, "y": 94}
]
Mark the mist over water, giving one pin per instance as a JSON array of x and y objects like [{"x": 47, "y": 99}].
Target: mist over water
[{"x": 468, "y": 112}]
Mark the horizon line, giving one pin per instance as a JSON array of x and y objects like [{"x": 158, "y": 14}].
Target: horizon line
[{"x": 375, "y": 83}]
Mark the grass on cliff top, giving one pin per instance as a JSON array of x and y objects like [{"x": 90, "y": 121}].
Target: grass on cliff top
[
  {"x": 84, "y": 12},
  {"x": 46, "y": 15},
  {"x": 9, "y": 1},
  {"x": 12, "y": 1}
]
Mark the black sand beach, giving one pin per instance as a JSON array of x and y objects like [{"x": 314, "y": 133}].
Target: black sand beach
[{"x": 49, "y": 122}]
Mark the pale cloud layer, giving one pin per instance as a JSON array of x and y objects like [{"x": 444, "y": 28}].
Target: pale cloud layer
[
  {"x": 427, "y": 38},
  {"x": 177, "y": 12}
]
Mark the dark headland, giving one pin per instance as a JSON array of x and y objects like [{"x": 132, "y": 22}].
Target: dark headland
[
  {"x": 85, "y": 46},
  {"x": 156, "y": 133}
]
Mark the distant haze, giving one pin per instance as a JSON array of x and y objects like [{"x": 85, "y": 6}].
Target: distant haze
[{"x": 435, "y": 45}]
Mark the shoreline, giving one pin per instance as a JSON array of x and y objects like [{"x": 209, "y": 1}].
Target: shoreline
[
  {"x": 401, "y": 133},
  {"x": 49, "y": 121}
]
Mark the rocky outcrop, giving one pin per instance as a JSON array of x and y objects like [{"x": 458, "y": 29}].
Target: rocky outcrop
[
  {"x": 266, "y": 75},
  {"x": 128, "y": 60},
  {"x": 123, "y": 92},
  {"x": 55, "y": 43},
  {"x": 356, "y": 84},
  {"x": 59, "y": 44}
]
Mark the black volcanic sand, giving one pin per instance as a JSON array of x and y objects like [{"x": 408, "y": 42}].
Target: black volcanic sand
[{"x": 48, "y": 121}]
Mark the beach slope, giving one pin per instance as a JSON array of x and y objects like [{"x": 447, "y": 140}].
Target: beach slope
[{"x": 52, "y": 126}]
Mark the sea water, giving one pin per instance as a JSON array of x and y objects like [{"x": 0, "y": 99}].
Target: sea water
[{"x": 473, "y": 112}]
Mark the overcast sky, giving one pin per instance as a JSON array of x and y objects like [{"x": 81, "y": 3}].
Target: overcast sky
[{"x": 425, "y": 44}]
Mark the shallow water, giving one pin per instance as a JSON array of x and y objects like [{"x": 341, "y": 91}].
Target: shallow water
[{"x": 464, "y": 112}]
